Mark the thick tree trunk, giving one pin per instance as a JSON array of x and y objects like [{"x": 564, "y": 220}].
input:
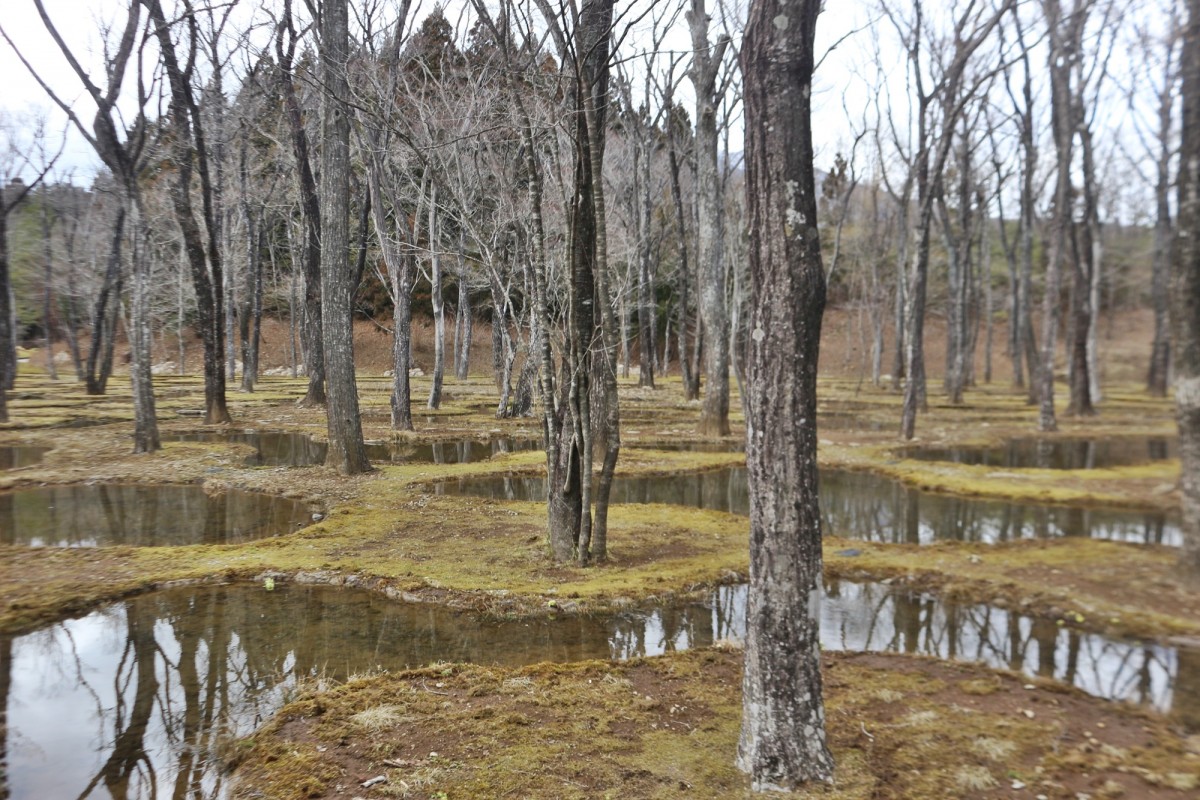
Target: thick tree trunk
[
  {"x": 346, "y": 451},
  {"x": 710, "y": 234},
  {"x": 1185, "y": 293},
  {"x": 782, "y": 741}
]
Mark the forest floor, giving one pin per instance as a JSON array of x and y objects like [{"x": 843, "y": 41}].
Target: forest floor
[{"x": 900, "y": 726}]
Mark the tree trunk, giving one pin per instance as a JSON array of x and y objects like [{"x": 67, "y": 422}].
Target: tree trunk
[
  {"x": 47, "y": 290},
  {"x": 464, "y": 320},
  {"x": 7, "y": 333},
  {"x": 145, "y": 422},
  {"x": 188, "y": 150},
  {"x": 1185, "y": 293},
  {"x": 1160, "y": 354},
  {"x": 310, "y": 212},
  {"x": 710, "y": 235},
  {"x": 647, "y": 326},
  {"x": 782, "y": 741},
  {"x": 99, "y": 361},
  {"x": 439, "y": 314},
  {"x": 690, "y": 377},
  {"x": 346, "y": 451},
  {"x": 1060, "y": 61}
]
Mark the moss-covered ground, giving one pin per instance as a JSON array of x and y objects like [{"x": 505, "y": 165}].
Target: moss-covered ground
[{"x": 901, "y": 727}]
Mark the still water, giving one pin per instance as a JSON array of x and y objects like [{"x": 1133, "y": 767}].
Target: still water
[
  {"x": 1119, "y": 451},
  {"x": 21, "y": 456},
  {"x": 859, "y": 505},
  {"x": 136, "y": 699},
  {"x": 144, "y": 516},
  {"x": 277, "y": 449}
]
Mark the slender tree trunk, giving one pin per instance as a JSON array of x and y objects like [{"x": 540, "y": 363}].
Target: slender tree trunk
[
  {"x": 689, "y": 376},
  {"x": 647, "y": 325},
  {"x": 1160, "y": 354},
  {"x": 710, "y": 235},
  {"x": 7, "y": 332},
  {"x": 99, "y": 361},
  {"x": 464, "y": 320},
  {"x": 205, "y": 262},
  {"x": 311, "y": 335},
  {"x": 1061, "y": 59},
  {"x": 1185, "y": 293},
  {"x": 783, "y": 741},
  {"x": 346, "y": 451},
  {"x": 145, "y": 421},
  {"x": 439, "y": 313},
  {"x": 47, "y": 288}
]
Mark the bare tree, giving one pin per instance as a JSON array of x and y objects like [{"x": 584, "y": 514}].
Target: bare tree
[
  {"x": 203, "y": 251},
  {"x": 710, "y": 232},
  {"x": 338, "y": 278},
  {"x": 783, "y": 741},
  {"x": 14, "y": 157},
  {"x": 123, "y": 150},
  {"x": 1159, "y": 53},
  {"x": 287, "y": 38}
]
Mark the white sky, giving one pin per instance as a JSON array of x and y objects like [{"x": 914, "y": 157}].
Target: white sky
[{"x": 80, "y": 23}]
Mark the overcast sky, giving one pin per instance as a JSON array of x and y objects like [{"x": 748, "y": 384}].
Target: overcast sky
[{"x": 81, "y": 22}]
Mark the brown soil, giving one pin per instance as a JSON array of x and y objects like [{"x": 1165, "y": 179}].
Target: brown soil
[{"x": 899, "y": 727}]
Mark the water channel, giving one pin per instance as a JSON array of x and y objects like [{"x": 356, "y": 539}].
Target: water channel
[
  {"x": 859, "y": 505},
  {"x": 1119, "y": 451},
  {"x": 143, "y": 515},
  {"x": 137, "y": 698}
]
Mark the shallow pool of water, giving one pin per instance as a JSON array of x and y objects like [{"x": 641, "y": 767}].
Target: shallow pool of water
[
  {"x": 1119, "y": 451},
  {"x": 278, "y": 449},
  {"x": 859, "y": 505},
  {"x": 143, "y": 693},
  {"x": 20, "y": 456},
  {"x": 143, "y": 516}
]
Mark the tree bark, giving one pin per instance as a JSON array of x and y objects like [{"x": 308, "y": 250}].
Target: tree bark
[
  {"x": 782, "y": 741},
  {"x": 688, "y": 374},
  {"x": 710, "y": 234},
  {"x": 1061, "y": 56},
  {"x": 1185, "y": 293},
  {"x": 346, "y": 451},
  {"x": 99, "y": 360},
  {"x": 189, "y": 153},
  {"x": 439, "y": 314},
  {"x": 311, "y": 334}
]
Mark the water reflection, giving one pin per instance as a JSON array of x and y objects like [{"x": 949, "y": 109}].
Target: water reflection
[
  {"x": 21, "y": 456},
  {"x": 134, "y": 700},
  {"x": 460, "y": 452},
  {"x": 1056, "y": 453},
  {"x": 857, "y": 505},
  {"x": 278, "y": 449},
  {"x": 114, "y": 514}
]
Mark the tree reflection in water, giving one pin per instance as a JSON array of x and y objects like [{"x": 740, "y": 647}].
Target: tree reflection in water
[
  {"x": 856, "y": 505},
  {"x": 135, "y": 700}
]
